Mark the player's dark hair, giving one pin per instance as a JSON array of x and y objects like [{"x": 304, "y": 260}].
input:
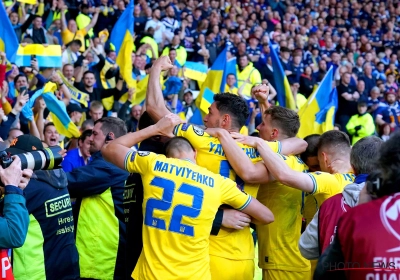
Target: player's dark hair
[
  {"x": 233, "y": 105},
  {"x": 145, "y": 121},
  {"x": 84, "y": 135},
  {"x": 312, "y": 148},
  {"x": 364, "y": 155},
  {"x": 389, "y": 161},
  {"x": 285, "y": 119},
  {"x": 114, "y": 125},
  {"x": 335, "y": 141},
  {"x": 177, "y": 145}
]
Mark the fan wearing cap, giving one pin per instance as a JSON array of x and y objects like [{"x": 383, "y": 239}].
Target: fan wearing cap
[
  {"x": 49, "y": 251},
  {"x": 75, "y": 113}
]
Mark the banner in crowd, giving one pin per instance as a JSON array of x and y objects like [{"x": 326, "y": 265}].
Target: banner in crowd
[
  {"x": 122, "y": 39},
  {"x": 30, "y": 2},
  {"x": 76, "y": 94},
  {"x": 318, "y": 114},
  {"x": 215, "y": 81},
  {"x": 8, "y": 38},
  {"x": 284, "y": 92},
  {"x": 46, "y": 56}
]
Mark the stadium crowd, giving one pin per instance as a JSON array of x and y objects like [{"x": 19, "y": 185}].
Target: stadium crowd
[{"x": 144, "y": 192}]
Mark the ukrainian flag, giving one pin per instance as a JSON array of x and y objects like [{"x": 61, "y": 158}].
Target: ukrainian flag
[
  {"x": 284, "y": 93},
  {"x": 318, "y": 114},
  {"x": 215, "y": 81},
  {"x": 49, "y": 56},
  {"x": 122, "y": 39},
  {"x": 58, "y": 112},
  {"x": 196, "y": 71},
  {"x": 8, "y": 39}
]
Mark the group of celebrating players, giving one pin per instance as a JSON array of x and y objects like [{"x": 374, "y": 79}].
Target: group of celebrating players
[{"x": 201, "y": 197}]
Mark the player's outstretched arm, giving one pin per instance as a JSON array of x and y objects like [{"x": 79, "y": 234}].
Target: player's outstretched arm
[
  {"x": 240, "y": 162},
  {"x": 155, "y": 104},
  {"x": 116, "y": 151},
  {"x": 260, "y": 214},
  {"x": 278, "y": 168}
]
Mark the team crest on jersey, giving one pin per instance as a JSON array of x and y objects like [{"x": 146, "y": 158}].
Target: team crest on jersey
[
  {"x": 198, "y": 130},
  {"x": 143, "y": 154},
  {"x": 185, "y": 126}
]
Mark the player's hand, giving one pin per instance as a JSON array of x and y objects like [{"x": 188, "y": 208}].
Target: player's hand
[
  {"x": 235, "y": 219},
  {"x": 246, "y": 140},
  {"x": 163, "y": 63},
  {"x": 261, "y": 93},
  {"x": 166, "y": 125},
  {"x": 214, "y": 132}
]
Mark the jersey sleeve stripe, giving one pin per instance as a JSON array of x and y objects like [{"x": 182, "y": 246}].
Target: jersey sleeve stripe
[
  {"x": 279, "y": 147},
  {"x": 246, "y": 204},
  {"x": 314, "y": 183},
  {"x": 176, "y": 129},
  {"x": 127, "y": 157}
]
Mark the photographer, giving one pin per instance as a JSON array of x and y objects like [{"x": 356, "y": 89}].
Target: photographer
[
  {"x": 367, "y": 236},
  {"x": 49, "y": 251},
  {"x": 14, "y": 219}
]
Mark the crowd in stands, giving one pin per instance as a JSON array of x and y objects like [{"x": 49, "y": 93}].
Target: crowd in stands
[{"x": 360, "y": 40}]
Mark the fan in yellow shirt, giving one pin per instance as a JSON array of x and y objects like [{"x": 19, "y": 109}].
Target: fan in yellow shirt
[
  {"x": 70, "y": 32},
  {"x": 179, "y": 205}
]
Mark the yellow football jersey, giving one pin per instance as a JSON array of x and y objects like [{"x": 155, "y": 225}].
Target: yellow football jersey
[
  {"x": 278, "y": 241},
  {"x": 229, "y": 243},
  {"x": 327, "y": 185},
  {"x": 179, "y": 206}
]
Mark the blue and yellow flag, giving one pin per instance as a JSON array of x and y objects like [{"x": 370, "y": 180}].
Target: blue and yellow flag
[
  {"x": 284, "y": 93},
  {"x": 140, "y": 93},
  {"x": 215, "y": 81},
  {"x": 195, "y": 71},
  {"x": 76, "y": 94},
  {"x": 58, "y": 112},
  {"x": 122, "y": 39},
  {"x": 318, "y": 114},
  {"x": 8, "y": 38},
  {"x": 49, "y": 56}
]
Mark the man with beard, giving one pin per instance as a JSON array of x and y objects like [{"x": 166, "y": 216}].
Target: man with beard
[{"x": 99, "y": 213}]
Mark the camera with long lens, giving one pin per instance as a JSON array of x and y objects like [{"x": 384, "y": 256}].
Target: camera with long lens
[{"x": 46, "y": 159}]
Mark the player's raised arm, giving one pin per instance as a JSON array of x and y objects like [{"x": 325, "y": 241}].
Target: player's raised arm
[
  {"x": 116, "y": 151},
  {"x": 278, "y": 168},
  {"x": 155, "y": 104},
  {"x": 240, "y": 162}
]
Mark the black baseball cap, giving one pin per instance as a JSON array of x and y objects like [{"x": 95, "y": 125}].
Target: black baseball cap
[
  {"x": 24, "y": 143},
  {"x": 72, "y": 107}
]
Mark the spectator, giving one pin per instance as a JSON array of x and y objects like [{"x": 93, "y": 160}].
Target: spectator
[
  {"x": 307, "y": 82},
  {"x": 50, "y": 135},
  {"x": 388, "y": 117},
  {"x": 37, "y": 33},
  {"x": 245, "y": 70},
  {"x": 360, "y": 125},
  {"x": 348, "y": 97},
  {"x": 80, "y": 156},
  {"x": 132, "y": 122},
  {"x": 96, "y": 110},
  {"x": 170, "y": 23}
]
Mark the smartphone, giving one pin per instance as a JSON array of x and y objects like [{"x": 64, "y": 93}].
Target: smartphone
[
  {"x": 22, "y": 89},
  {"x": 33, "y": 56}
]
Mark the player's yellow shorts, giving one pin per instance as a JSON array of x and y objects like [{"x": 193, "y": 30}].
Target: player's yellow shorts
[
  {"x": 274, "y": 274},
  {"x": 226, "y": 269}
]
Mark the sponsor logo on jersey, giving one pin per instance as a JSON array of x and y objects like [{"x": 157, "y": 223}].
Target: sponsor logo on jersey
[{"x": 143, "y": 154}]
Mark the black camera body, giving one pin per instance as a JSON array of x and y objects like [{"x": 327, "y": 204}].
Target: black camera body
[{"x": 46, "y": 159}]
